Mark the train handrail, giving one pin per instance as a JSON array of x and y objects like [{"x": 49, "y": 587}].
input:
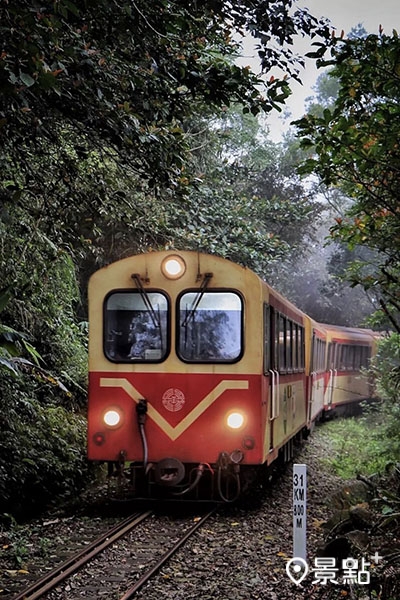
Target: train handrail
[
  {"x": 274, "y": 394},
  {"x": 332, "y": 377},
  {"x": 277, "y": 394}
]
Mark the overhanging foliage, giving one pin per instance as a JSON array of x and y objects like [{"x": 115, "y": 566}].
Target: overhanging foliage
[{"x": 356, "y": 147}]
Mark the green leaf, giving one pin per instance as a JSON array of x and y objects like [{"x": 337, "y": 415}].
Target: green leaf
[
  {"x": 34, "y": 354},
  {"x": 26, "y": 79},
  {"x": 8, "y": 365},
  {"x": 387, "y": 510}
]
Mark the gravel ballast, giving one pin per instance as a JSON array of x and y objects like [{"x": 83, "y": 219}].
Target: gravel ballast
[{"x": 240, "y": 554}]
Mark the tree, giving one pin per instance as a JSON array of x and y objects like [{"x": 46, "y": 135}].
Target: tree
[
  {"x": 320, "y": 287},
  {"x": 251, "y": 206},
  {"x": 125, "y": 75},
  {"x": 356, "y": 147},
  {"x": 98, "y": 107}
]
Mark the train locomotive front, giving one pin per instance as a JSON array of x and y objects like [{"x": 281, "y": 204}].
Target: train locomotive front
[{"x": 175, "y": 374}]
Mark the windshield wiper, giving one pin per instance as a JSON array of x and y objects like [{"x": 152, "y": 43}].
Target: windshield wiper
[
  {"x": 197, "y": 299},
  {"x": 147, "y": 302}
]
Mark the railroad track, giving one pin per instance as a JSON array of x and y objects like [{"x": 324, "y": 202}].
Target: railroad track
[{"x": 118, "y": 563}]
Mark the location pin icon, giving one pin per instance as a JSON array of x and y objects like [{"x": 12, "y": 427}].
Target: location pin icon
[{"x": 297, "y": 570}]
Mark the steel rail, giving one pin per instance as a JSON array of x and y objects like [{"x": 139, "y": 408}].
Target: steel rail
[
  {"x": 165, "y": 557},
  {"x": 47, "y": 582}
]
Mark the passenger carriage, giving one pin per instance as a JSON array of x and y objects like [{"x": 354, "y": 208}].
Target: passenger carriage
[{"x": 349, "y": 351}]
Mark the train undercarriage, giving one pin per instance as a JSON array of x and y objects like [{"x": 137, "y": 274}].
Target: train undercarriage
[{"x": 170, "y": 479}]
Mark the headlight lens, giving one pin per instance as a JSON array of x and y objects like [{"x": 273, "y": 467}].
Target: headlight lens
[
  {"x": 112, "y": 418},
  {"x": 235, "y": 420},
  {"x": 173, "y": 267}
]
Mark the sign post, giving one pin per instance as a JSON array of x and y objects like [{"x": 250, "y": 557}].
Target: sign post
[{"x": 300, "y": 511}]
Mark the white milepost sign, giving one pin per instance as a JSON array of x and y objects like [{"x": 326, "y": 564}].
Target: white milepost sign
[{"x": 299, "y": 511}]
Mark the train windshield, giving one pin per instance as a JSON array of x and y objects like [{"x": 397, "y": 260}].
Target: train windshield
[
  {"x": 210, "y": 327},
  {"x": 136, "y": 327}
]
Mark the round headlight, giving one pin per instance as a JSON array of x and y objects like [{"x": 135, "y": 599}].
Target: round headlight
[
  {"x": 235, "y": 420},
  {"x": 112, "y": 418},
  {"x": 173, "y": 267}
]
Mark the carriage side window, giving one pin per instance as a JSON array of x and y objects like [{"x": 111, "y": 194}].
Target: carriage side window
[
  {"x": 351, "y": 358},
  {"x": 319, "y": 349},
  {"x": 342, "y": 356},
  {"x": 301, "y": 349},
  {"x": 362, "y": 354},
  {"x": 282, "y": 344},
  {"x": 331, "y": 361},
  {"x": 348, "y": 357},
  {"x": 298, "y": 347},
  {"x": 359, "y": 357},
  {"x": 210, "y": 326},
  {"x": 295, "y": 347},
  {"x": 275, "y": 340},
  {"x": 314, "y": 362},
  {"x": 320, "y": 355},
  {"x": 356, "y": 357},
  {"x": 136, "y": 326},
  {"x": 365, "y": 356},
  {"x": 289, "y": 345}
]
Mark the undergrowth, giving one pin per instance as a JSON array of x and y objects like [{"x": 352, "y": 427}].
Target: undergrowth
[{"x": 359, "y": 445}]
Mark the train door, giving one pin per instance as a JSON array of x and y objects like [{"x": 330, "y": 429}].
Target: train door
[
  {"x": 271, "y": 332},
  {"x": 311, "y": 395},
  {"x": 332, "y": 372}
]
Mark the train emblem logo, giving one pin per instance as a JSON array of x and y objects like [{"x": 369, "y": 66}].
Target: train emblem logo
[{"x": 173, "y": 399}]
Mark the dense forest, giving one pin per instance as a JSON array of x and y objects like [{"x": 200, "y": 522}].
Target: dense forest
[{"x": 129, "y": 126}]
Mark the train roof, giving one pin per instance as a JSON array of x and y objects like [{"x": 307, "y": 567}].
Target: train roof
[
  {"x": 123, "y": 268},
  {"x": 343, "y": 333}
]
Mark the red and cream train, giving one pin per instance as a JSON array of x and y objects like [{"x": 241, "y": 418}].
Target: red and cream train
[{"x": 200, "y": 373}]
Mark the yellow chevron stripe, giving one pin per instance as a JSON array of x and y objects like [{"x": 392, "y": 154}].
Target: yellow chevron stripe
[{"x": 174, "y": 432}]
